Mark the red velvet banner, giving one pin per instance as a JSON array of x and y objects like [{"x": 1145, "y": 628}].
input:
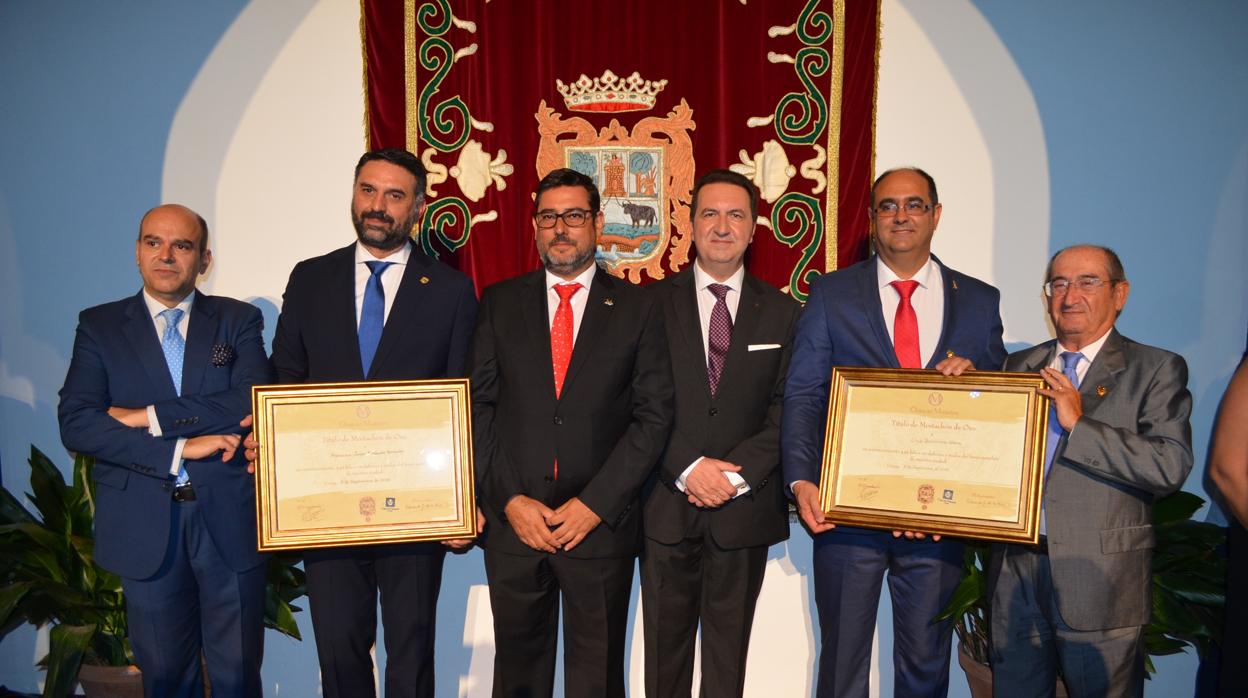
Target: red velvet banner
[{"x": 643, "y": 96}]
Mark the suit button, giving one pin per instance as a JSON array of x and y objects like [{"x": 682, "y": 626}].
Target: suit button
[
  {"x": 194, "y": 420},
  {"x": 713, "y": 411},
  {"x": 558, "y": 420}
]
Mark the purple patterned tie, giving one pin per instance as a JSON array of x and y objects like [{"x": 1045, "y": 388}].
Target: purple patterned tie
[{"x": 719, "y": 336}]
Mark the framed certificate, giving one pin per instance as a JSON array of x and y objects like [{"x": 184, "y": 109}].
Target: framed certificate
[
  {"x": 363, "y": 463},
  {"x": 916, "y": 450}
]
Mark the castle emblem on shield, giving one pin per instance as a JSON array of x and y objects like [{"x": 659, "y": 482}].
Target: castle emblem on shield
[{"x": 644, "y": 175}]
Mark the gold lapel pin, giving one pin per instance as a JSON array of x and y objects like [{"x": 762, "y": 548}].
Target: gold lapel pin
[
  {"x": 949, "y": 354},
  {"x": 955, "y": 283},
  {"x": 1101, "y": 391},
  {"x": 424, "y": 279},
  {"x": 608, "y": 301}
]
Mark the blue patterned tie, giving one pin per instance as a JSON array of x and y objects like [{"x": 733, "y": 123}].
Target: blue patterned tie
[
  {"x": 1070, "y": 361},
  {"x": 174, "y": 347},
  {"x": 372, "y": 315}
]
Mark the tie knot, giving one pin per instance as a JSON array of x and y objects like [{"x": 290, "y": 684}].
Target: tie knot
[
  {"x": 905, "y": 289},
  {"x": 376, "y": 267},
  {"x": 720, "y": 291},
  {"x": 566, "y": 291},
  {"x": 172, "y": 316},
  {"x": 1070, "y": 360}
]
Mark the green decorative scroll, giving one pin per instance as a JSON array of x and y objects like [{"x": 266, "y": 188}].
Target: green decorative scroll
[
  {"x": 819, "y": 21},
  {"x": 795, "y": 127},
  {"x": 439, "y": 10},
  {"x": 438, "y": 55},
  {"x": 440, "y": 217},
  {"x": 804, "y": 209}
]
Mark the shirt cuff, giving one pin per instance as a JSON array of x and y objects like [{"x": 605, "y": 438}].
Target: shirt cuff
[
  {"x": 177, "y": 457},
  {"x": 680, "y": 481},
  {"x": 153, "y": 424}
]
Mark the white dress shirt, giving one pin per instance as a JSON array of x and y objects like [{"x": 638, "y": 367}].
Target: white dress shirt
[
  {"x": 391, "y": 277},
  {"x": 928, "y": 302},
  {"x": 578, "y": 301},
  {"x": 706, "y": 304},
  {"x": 154, "y": 309}
]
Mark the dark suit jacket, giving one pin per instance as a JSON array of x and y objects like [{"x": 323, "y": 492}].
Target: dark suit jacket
[
  {"x": 843, "y": 325},
  {"x": 425, "y": 337},
  {"x": 1132, "y": 445},
  {"x": 117, "y": 360},
  {"x": 607, "y": 428},
  {"x": 741, "y": 424}
]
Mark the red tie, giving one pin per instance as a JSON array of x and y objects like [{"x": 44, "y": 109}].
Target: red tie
[
  {"x": 906, "y": 327},
  {"x": 561, "y": 333}
]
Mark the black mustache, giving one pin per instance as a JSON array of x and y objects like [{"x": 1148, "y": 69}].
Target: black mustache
[{"x": 379, "y": 215}]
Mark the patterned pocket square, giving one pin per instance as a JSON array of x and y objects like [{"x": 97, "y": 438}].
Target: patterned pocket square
[{"x": 223, "y": 355}]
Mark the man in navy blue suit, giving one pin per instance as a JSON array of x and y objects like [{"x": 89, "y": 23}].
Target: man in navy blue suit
[
  {"x": 156, "y": 387},
  {"x": 901, "y": 308},
  {"x": 378, "y": 309}
]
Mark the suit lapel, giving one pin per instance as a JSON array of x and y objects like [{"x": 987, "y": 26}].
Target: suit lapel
[
  {"x": 1102, "y": 375},
  {"x": 689, "y": 324},
  {"x": 951, "y": 305},
  {"x": 537, "y": 321},
  {"x": 200, "y": 333},
  {"x": 140, "y": 333},
  {"x": 869, "y": 301},
  {"x": 1038, "y": 357},
  {"x": 597, "y": 314},
  {"x": 340, "y": 305}
]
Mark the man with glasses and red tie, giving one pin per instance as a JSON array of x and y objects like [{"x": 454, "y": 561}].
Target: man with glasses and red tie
[
  {"x": 1119, "y": 439},
  {"x": 901, "y": 308},
  {"x": 572, "y": 404}
]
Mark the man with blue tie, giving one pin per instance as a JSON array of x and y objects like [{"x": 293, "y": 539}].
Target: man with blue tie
[
  {"x": 378, "y": 309},
  {"x": 155, "y": 390},
  {"x": 1119, "y": 439},
  {"x": 902, "y": 308}
]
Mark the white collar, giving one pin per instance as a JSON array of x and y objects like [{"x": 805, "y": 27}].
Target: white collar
[{"x": 703, "y": 279}]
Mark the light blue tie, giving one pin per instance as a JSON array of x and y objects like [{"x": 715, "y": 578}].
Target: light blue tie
[
  {"x": 372, "y": 314},
  {"x": 174, "y": 347},
  {"x": 1070, "y": 361}
]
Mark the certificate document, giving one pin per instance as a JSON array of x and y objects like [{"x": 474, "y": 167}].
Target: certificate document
[
  {"x": 360, "y": 463},
  {"x": 916, "y": 450}
]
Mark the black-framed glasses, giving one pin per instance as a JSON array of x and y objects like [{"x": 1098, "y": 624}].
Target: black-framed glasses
[
  {"x": 913, "y": 207},
  {"x": 1085, "y": 284},
  {"x": 573, "y": 218}
]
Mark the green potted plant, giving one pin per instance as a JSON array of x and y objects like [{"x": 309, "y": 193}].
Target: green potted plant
[
  {"x": 1189, "y": 574},
  {"x": 48, "y": 575}
]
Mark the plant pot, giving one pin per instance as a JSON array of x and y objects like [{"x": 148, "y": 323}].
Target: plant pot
[
  {"x": 110, "y": 681},
  {"x": 979, "y": 676}
]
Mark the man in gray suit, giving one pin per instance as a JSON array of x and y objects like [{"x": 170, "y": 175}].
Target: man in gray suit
[{"x": 1119, "y": 439}]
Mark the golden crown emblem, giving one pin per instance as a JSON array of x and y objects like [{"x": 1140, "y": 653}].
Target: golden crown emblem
[{"x": 610, "y": 93}]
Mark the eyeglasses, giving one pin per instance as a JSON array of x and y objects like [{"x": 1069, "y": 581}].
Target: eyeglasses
[
  {"x": 1085, "y": 284},
  {"x": 913, "y": 207},
  {"x": 573, "y": 218}
]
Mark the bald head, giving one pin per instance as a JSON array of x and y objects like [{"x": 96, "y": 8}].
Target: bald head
[{"x": 178, "y": 211}]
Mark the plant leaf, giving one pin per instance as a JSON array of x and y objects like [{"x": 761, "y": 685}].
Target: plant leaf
[
  {"x": 66, "y": 645},
  {"x": 48, "y": 486},
  {"x": 1176, "y": 507}
]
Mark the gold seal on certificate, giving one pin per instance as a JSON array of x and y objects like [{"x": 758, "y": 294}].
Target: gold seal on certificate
[
  {"x": 363, "y": 463},
  {"x": 919, "y": 451}
]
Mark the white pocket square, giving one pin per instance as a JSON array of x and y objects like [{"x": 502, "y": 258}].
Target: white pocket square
[{"x": 763, "y": 347}]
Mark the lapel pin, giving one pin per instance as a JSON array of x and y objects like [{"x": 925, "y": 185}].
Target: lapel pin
[
  {"x": 424, "y": 279},
  {"x": 949, "y": 354},
  {"x": 1101, "y": 391},
  {"x": 608, "y": 301},
  {"x": 955, "y": 283}
]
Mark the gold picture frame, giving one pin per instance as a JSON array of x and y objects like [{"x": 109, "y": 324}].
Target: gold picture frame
[
  {"x": 363, "y": 463},
  {"x": 915, "y": 450}
]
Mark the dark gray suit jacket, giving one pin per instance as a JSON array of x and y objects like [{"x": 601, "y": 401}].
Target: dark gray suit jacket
[
  {"x": 741, "y": 424},
  {"x": 1132, "y": 445}
]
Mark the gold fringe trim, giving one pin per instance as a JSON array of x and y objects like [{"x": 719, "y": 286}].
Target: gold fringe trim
[
  {"x": 364, "y": 61},
  {"x": 412, "y": 93},
  {"x": 834, "y": 136},
  {"x": 875, "y": 98}
]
